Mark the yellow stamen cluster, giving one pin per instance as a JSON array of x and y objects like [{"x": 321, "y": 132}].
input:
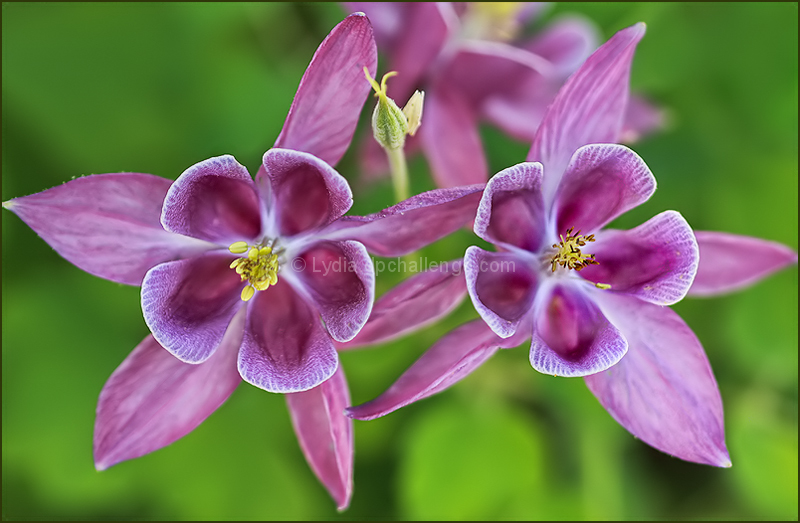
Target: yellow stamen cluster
[
  {"x": 568, "y": 252},
  {"x": 259, "y": 267},
  {"x": 492, "y": 20}
]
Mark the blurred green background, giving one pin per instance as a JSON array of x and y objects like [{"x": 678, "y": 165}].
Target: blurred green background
[{"x": 152, "y": 87}]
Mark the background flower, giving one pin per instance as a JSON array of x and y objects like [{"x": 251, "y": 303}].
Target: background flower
[{"x": 85, "y": 92}]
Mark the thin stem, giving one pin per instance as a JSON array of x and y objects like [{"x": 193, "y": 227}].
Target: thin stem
[{"x": 397, "y": 165}]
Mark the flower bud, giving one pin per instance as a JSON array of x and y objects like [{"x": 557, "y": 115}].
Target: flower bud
[{"x": 390, "y": 124}]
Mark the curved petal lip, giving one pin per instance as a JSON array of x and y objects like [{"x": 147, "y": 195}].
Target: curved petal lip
[
  {"x": 285, "y": 346},
  {"x": 502, "y": 288}
]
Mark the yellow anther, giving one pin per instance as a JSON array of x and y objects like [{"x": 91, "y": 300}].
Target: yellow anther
[
  {"x": 259, "y": 268},
  {"x": 603, "y": 286},
  {"x": 238, "y": 247},
  {"x": 248, "y": 293},
  {"x": 492, "y": 20},
  {"x": 568, "y": 253}
]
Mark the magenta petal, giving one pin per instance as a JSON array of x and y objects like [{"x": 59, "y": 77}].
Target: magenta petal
[
  {"x": 307, "y": 192},
  {"x": 412, "y": 223},
  {"x": 511, "y": 211},
  {"x": 663, "y": 391},
  {"x": 566, "y": 43},
  {"x": 572, "y": 337},
  {"x": 502, "y": 286},
  {"x": 421, "y": 36},
  {"x": 416, "y": 302},
  {"x": 154, "y": 399},
  {"x": 339, "y": 279},
  {"x": 188, "y": 304},
  {"x": 325, "y": 434},
  {"x": 481, "y": 69},
  {"x": 214, "y": 200},
  {"x": 590, "y": 107},
  {"x": 729, "y": 262},
  {"x": 642, "y": 118},
  {"x": 656, "y": 261},
  {"x": 601, "y": 182},
  {"x": 386, "y": 18},
  {"x": 328, "y": 102},
  {"x": 285, "y": 346},
  {"x": 451, "y": 141},
  {"x": 449, "y": 360},
  {"x": 107, "y": 224}
]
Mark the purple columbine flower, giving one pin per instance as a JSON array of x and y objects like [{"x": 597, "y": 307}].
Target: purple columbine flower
[
  {"x": 242, "y": 278},
  {"x": 592, "y": 299},
  {"x": 473, "y": 66}
]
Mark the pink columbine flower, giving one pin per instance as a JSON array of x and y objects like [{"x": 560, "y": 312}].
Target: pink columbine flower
[
  {"x": 242, "y": 278},
  {"x": 592, "y": 300},
  {"x": 473, "y": 66}
]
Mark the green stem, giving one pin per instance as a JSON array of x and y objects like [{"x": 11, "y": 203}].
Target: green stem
[{"x": 397, "y": 165}]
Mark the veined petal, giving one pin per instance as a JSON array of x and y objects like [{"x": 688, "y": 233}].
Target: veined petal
[
  {"x": 566, "y": 43},
  {"x": 589, "y": 108},
  {"x": 663, "y": 391},
  {"x": 657, "y": 261},
  {"x": 328, "y": 102},
  {"x": 572, "y": 337},
  {"x": 602, "y": 182},
  {"x": 450, "y": 140},
  {"x": 511, "y": 210},
  {"x": 188, "y": 304},
  {"x": 412, "y": 223},
  {"x": 214, "y": 200},
  {"x": 448, "y": 361},
  {"x": 413, "y": 304},
  {"x": 502, "y": 286},
  {"x": 729, "y": 262},
  {"x": 153, "y": 399},
  {"x": 285, "y": 346},
  {"x": 325, "y": 434},
  {"x": 307, "y": 192},
  {"x": 386, "y": 19},
  {"x": 339, "y": 279},
  {"x": 107, "y": 224}
]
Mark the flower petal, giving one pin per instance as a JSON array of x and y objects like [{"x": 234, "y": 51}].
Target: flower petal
[
  {"x": 656, "y": 261},
  {"x": 328, "y": 102},
  {"x": 412, "y": 223},
  {"x": 729, "y": 262},
  {"x": 386, "y": 19},
  {"x": 502, "y": 287},
  {"x": 572, "y": 337},
  {"x": 214, "y": 200},
  {"x": 153, "y": 399},
  {"x": 285, "y": 346},
  {"x": 602, "y": 182},
  {"x": 188, "y": 304},
  {"x": 566, "y": 43},
  {"x": 641, "y": 119},
  {"x": 307, "y": 192},
  {"x": 450, "y": 140},
  {"x": 589, "y": 108},
  {"x": 422, "y": 35},
  {"x": 663, "y": 391},
  {"x": 511, "y": 211},
  {"x": 325, "y": 434},
  {"x": 107, "y": 224},
  {"x": 339, "y": 279},
  {"x": 509, "y": 85},
  {"x": 449, "y": 360},
  {"x": 415, "y": 303}
]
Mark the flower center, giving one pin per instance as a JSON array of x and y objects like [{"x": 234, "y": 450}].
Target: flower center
[
  {"x": 259, "y": 268},
  {"x": 492, "y": 20},
  {"x": 568, "y": 253}
]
